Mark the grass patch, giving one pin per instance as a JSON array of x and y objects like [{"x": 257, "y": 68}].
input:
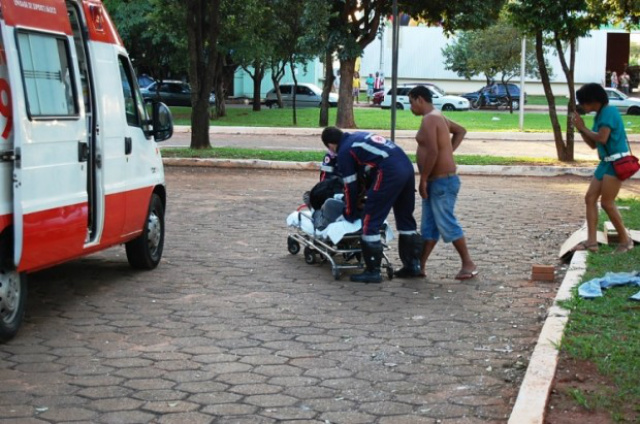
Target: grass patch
[
  {"x": 605, "y": 331},
  {"x": 542, "y": 100},
  {"x": 376, "y": 118},
  {"x": 317, "y": 156}
]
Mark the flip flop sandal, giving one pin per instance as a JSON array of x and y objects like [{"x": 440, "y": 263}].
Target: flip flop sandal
[
  {"x": 624, "y": 248},
  {"x": 466, "y": 274},
  {"x": 583, "y": 245}
]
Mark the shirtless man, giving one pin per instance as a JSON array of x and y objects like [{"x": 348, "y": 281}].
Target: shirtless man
[{"x": 437, "y": 139}]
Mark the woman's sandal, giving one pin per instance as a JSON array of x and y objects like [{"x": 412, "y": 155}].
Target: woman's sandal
[
  {"x": 583, "y": 245},
  {"x": 624, "y": 248}
]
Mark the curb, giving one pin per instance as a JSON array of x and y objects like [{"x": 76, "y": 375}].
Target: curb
[
  {"x": 531, "y": 403},
  {"x": 292, "y": 131},
  {"x": 478, "y": 170}
]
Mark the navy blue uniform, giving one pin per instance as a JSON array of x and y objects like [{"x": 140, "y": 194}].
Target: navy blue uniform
[
  {"x": 393, "y": 184},
  {"x": 329, "y": 167}
]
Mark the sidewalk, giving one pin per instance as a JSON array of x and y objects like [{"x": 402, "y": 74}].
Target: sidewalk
[{"x": 472, "y": 135}]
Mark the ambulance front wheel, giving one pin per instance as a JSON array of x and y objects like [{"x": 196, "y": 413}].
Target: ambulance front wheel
[
  {"x": 13, "y": 297},
  {"x": 145, "y": 251}
]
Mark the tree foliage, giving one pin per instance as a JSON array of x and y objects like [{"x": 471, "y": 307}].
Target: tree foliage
[
  {"x": 476, "y": 52},
  {"x": 154, "y": 45},
  {"x": 357, "y": 22},
  {"x": 558, "y": 25}
]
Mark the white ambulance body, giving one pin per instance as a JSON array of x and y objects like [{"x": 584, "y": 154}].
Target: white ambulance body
[{"x": 80, "y": 170}]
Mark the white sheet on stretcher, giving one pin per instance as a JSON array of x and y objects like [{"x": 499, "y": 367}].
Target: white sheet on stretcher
[{"x": 334, "y": 231}]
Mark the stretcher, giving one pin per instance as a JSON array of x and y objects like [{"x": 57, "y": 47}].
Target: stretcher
[{"x": 337, "y": 244}]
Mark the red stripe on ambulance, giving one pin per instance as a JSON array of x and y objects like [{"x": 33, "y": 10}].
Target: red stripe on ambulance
[{"x": 48, "y": 15}]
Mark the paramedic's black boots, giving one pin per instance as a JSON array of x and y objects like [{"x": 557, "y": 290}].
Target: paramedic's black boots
[
  {"x": 372, "y": 253},
  {"x": 410, "y": 250}
]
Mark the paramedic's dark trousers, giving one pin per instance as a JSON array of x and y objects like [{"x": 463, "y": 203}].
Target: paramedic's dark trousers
[{"x": 394, "y": 188}]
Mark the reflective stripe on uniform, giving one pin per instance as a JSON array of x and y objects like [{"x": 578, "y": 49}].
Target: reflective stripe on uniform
[
  {"x": 350, "y": 179},
  {"x": 326, "y": 168},
  {"x": 372, "y": 238},
  {"x": 407, "y": 233},
  {"x": 371, "y": 149}
]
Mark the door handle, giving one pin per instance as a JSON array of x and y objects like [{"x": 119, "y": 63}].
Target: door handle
[
  {"x": 83, "y": 151},
  {"x": 128, "y": 145}
]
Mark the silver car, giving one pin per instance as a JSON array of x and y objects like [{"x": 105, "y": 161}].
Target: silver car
[
  {"x": 307, "y": 95},
  {"x": 625, "y": 104}
]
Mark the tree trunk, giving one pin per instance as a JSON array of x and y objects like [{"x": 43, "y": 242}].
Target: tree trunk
[
  {"x": 257, "y": 77},
  {"x": 548, "y": 92},
  {"x": 345, "y": 118},
  {"x": 326, "y": 89},
  {"x": 295, "y": 89},
  {"x": 277, "y": 72},
  {"x": 568, "y": 70},
  {"x": 220, "y": 109},
  {"x": 203, "y": 18}
]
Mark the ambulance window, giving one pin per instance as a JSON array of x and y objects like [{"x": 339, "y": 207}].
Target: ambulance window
[
  {"x": 128, "y": 89},
  {"x": 48, "y": 78}
]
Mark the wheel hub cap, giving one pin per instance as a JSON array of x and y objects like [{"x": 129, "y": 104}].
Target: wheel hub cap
[
  {"x": 154, "y": 232},
  {"x": 9, "y": 295}
]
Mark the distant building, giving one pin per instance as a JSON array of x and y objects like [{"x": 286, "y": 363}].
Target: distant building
[{"x": 421, "y": 60}]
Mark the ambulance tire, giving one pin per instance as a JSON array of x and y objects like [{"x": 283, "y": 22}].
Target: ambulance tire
[
  {"x": 13, "y": 293},
  {"x": 145, "y": 251}
]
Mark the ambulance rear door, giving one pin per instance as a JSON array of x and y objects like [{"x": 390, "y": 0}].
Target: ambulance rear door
[{"x": 50, "y": 134}]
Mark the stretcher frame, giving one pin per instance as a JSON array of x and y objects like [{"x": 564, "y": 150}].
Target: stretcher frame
[{"x": 344, "y": 255}]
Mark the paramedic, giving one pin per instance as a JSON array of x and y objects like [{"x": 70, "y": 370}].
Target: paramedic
[
  {"x": 393, "y": 186},
  {"x": 329, "y": 166}
]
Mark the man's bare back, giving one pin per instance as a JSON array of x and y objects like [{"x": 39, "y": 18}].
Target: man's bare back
[{"x": 436, "y": 145}]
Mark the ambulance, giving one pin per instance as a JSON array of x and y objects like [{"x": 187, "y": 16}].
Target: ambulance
[{"x": 80, "y": 170}]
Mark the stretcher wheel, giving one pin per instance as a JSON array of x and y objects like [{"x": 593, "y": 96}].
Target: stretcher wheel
[
  {"x": 293, "y": 246},
  {"x": 390, "y": 272},
  {"x": 309, "y": 256},
  {"x": 336, "y": 273}
]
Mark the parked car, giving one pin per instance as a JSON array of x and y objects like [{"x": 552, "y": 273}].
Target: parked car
[
  {"x": 145, "y": 80},
  {"x": 625, "y": 104},
  {"x": 495, "y": 96},
  {"x": 378, "y": 96},
  {"x": 172, "y": 93},
  {"x": 441, "y": 100},
  {"x": 307, "y": 95}
]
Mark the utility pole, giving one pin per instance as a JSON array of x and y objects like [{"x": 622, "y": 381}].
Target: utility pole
[
  {"x": 394, "y": 70},
  {"x": 523, "y": 64}
]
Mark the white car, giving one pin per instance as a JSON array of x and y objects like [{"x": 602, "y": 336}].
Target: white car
[
  {"x": 440, "y": 99},
  {"x": 625, "y": 104},
  {"x": 307, "y": 95}
]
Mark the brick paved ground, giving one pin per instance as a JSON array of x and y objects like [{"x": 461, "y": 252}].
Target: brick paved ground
[{"x": 233, "y": 329}]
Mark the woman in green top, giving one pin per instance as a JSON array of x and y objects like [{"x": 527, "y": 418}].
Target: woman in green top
[{"x": 609, "y": 137}]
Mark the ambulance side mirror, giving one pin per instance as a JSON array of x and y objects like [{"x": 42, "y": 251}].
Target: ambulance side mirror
[{"x": 161, "y": 121}]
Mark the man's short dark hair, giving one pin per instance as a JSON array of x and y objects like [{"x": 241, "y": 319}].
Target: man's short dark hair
[
  {"x": 421, "y": 91},
  {"x": 592, "y": 92},
  {"x": 331, "y": 135}
]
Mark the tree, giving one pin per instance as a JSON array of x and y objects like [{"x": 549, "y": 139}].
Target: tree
[
  {"x": 357, "y": 22},
  {"x": 458, "y": 57},
  {"x": 476, "y": 52},
  {"x": 299, "y": 37},
  {"x": 356, "y": 25},
  {"x": 253, "y": 44},
  {"x": 203, "y": 26},
  {"x": 161, "y": 52},
  {"x": 559, "y": 25}
]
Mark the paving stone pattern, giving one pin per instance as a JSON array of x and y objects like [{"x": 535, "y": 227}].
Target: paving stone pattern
[{"x": 231, "y": 328}]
